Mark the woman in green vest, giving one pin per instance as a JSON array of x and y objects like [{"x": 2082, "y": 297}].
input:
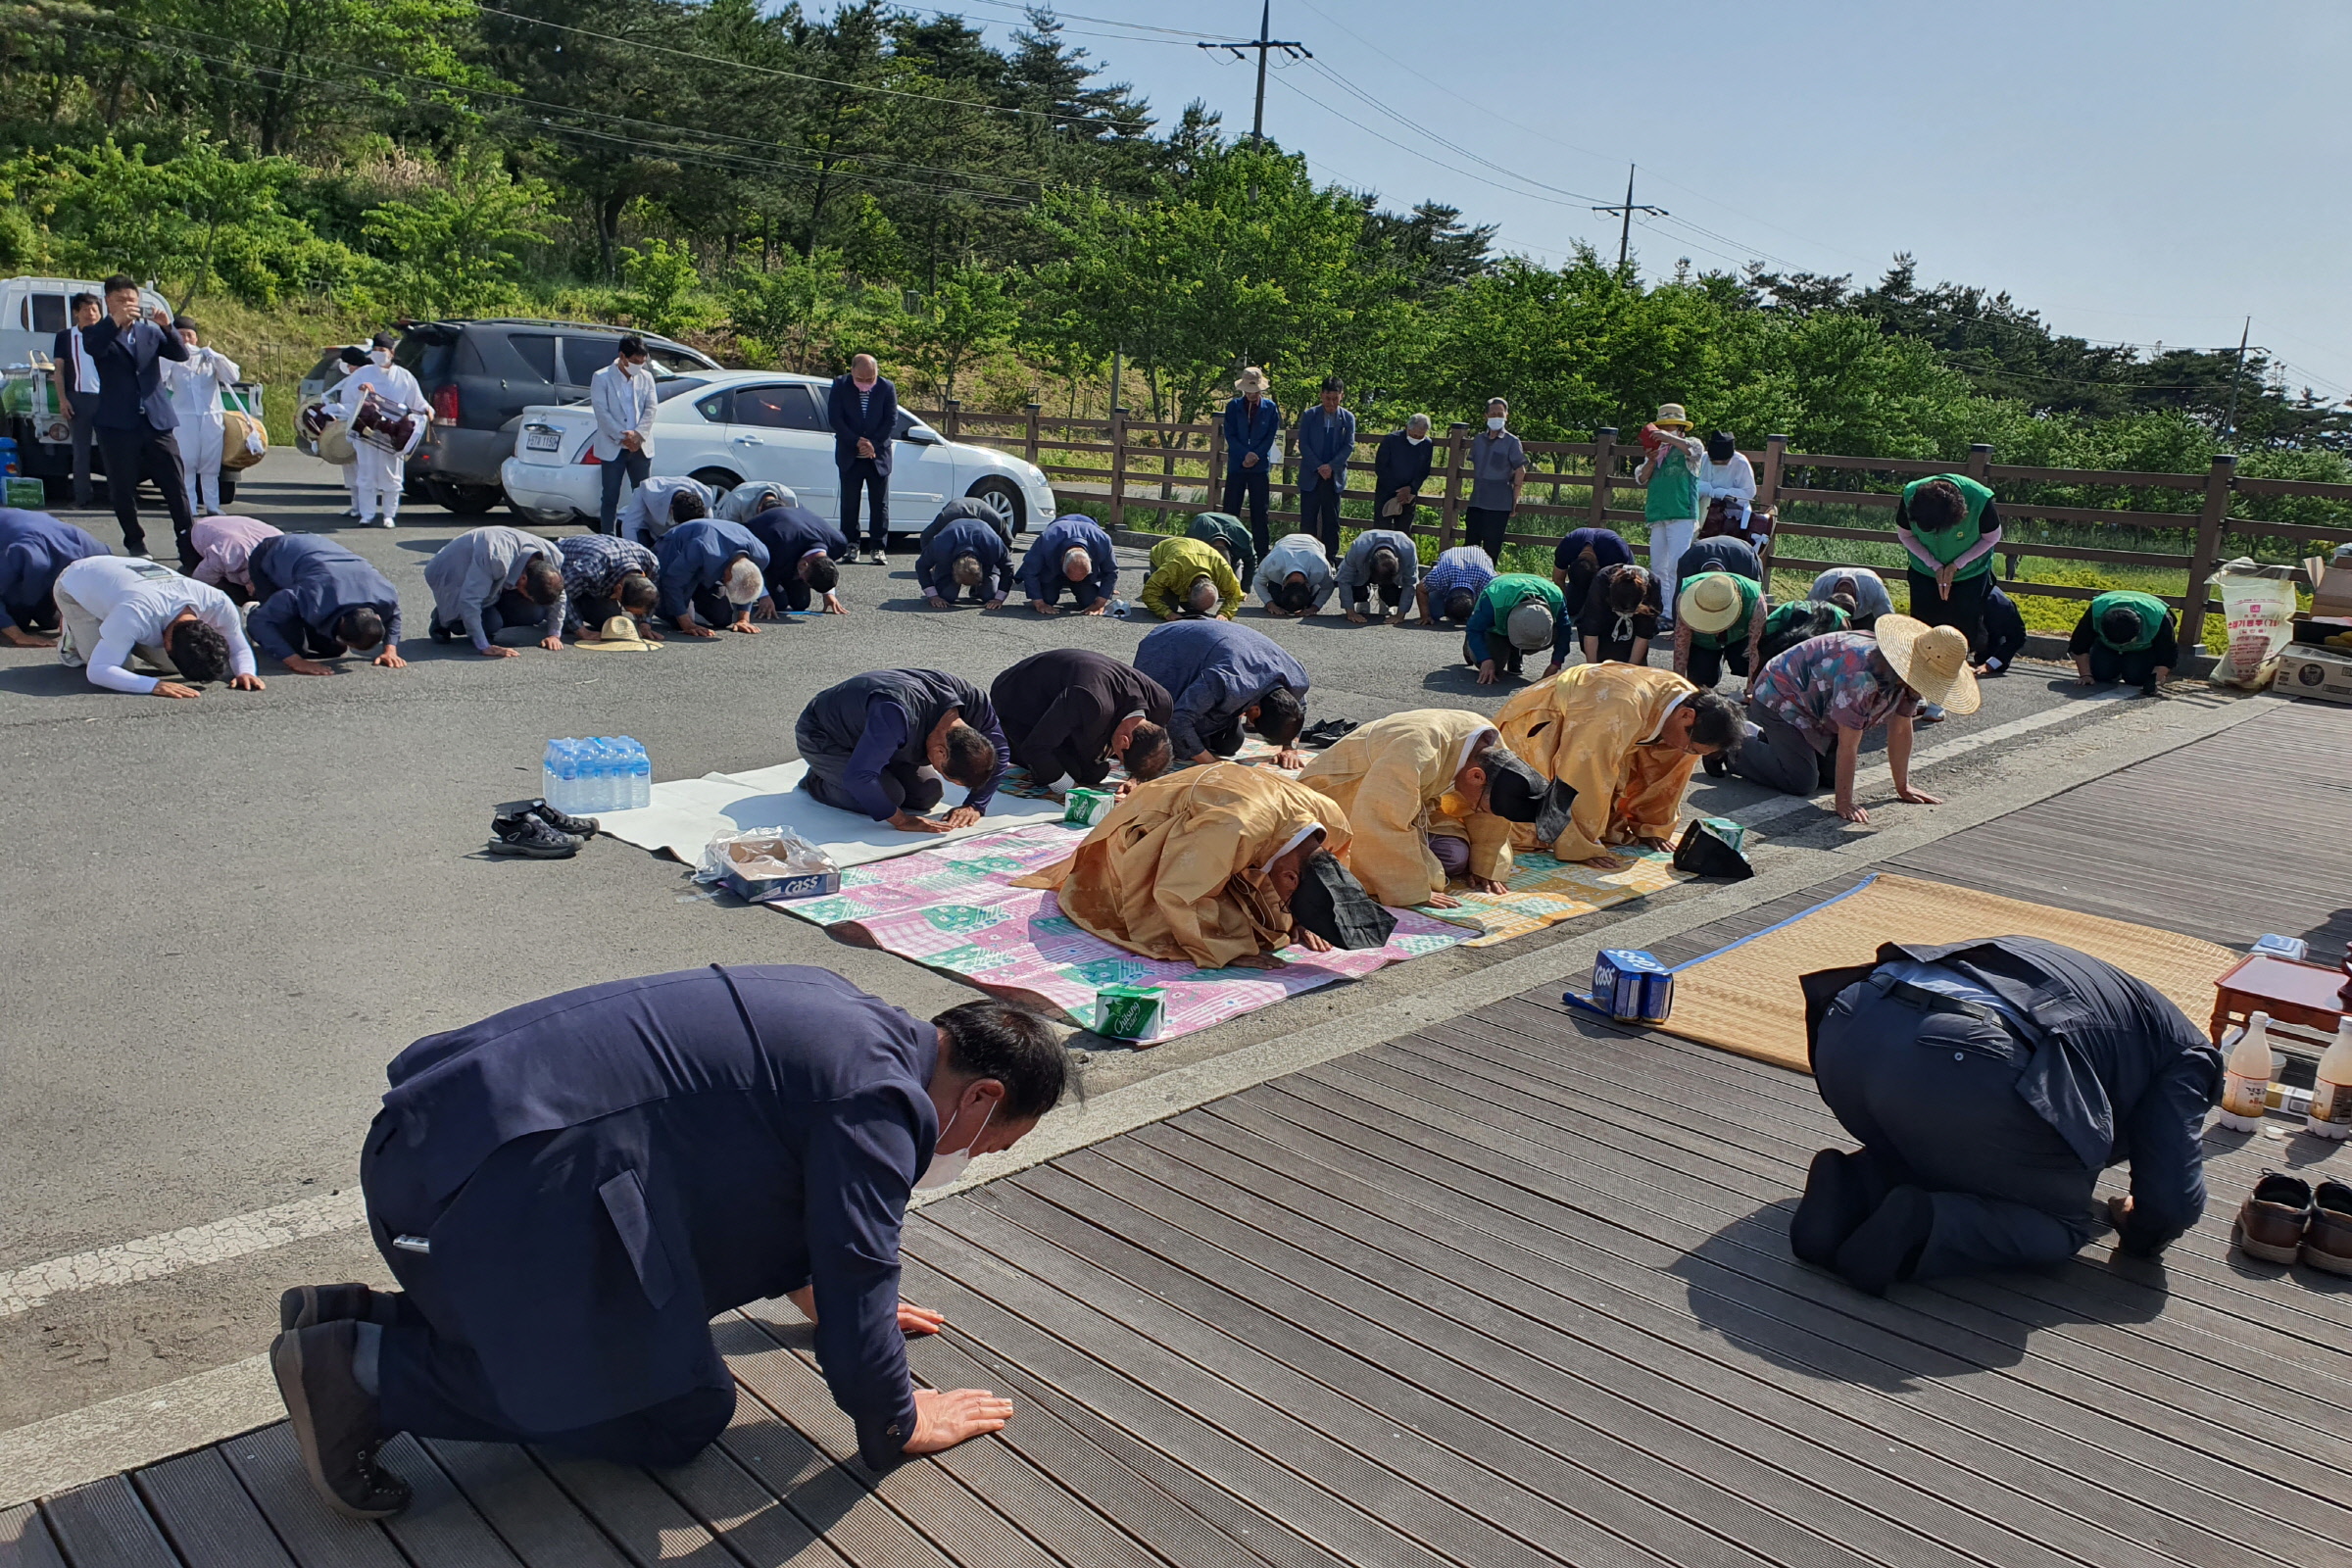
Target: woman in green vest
[
  {"x": 1517, "y": 614},
  {"x": 1719, "y": 620},
  {"x": 1670, "y": 505},
  {"x": 2127, "y": 637},
  {"x": 1949, "y": 526}
]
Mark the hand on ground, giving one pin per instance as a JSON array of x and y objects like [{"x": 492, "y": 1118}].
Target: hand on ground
[
  {"x": 500, "y": 651},
  {"x": 390, "y": 659},
  {"x": 834, "y": 606},
  {"x": 695, "y": 628},
  {"x": 765, "y": 609},
  {"x": 1489, "y": 886},
  {"x": 245, "y": 683},
  {"x": 964, "y": 816},
  {"x": 1485, "y": 673},
  {"x": 309, "y": 666},
  {"x": 1044, "y": 608},
  {"x": 1310, "y": 942},
  {"x": 1444, "y": 901},
  {"x": 743, "y": 625},
  {"x": 1355, "y": 617},
  {"x": 1247, "y": 961},
  {"x": 937, "y": 603},
  {"x": 1099, "y": 606},
  {"x": 1853, "y": 812},
  {"x": 914, "y": 1319},
  {"x": 16, "y": 637},
  {"x": 1918, "y": 797},
  {"x": 908, "y": 823},
  {"x": 173, "y": 687},
  {"x": 1607, "y": 863},
  {"x": 1648, "y": 843},
  {"x": 553, "y": 645},
  {"x": 944, "y": 1417},
  {"x": 1290, "y": 756}
]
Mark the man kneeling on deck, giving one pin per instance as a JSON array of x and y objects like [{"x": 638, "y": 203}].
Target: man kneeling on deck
[
  {"x": 880, "y": 743},
  {"x": 1431, "y": 794},
  {"x": 315, "y": 600},
  {"x": 1220, "y": 678},
  {"x": 109, "y": 606},
  {"x": 2127, "y": 637},
  {"x": 569, "y": 1191},
  {"x": 1623, "y": 738},
  {"x": 1991, "y": 1082},
  {"x": 1069, "y": 712},
  {"x": 1225, "y": 865}
]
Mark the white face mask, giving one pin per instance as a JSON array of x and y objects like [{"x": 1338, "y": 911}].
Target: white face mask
[
  {"x": 1417, "y": 440},
  {"x": 381, "y": 356},
  {"x": 947, "y": 1168},
  {"x": 1496, "y": 421}
]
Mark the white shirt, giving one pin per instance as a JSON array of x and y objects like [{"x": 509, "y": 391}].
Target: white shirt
[
  {"x": 388, "y": 382},
  {"x": 196, "y": 383},
  {"x": 624, "y": 400},
  {"x": 85, "y": 369},
  {"x": 134, "y": 599},
  {"x": 1736, "y": 478}
]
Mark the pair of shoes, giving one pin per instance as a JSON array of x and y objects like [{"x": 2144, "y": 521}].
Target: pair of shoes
[
  {"x": 337, "y": 1423},
  {"x": 2147, "y": 688},
  {"x": 1886, "y": 1247},
  {"x": 384, "y": 520},
  {"x": 1930, "y": 713},
  {"x": 2284, "y": 1221},
  {"x": 532, "y": 831},
  {"x": 579, "y": 827}
]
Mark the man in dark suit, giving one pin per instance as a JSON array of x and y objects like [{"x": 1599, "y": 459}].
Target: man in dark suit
[
  {"x": 863, "y": 410},
  {"x": 569, "y": 1191},
  {"x": 136, "y": 420},
  {"x": 1069, "y": 714}
]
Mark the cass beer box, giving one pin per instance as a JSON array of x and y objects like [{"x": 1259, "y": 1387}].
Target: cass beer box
[{"x": 1632, "y": 986}]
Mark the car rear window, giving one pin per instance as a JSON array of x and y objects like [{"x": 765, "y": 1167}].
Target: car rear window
[
  {"x": 715, "y": 407},
  {"x": 681, "y": 362},
  {"x": 538, "y": 351},
  {"x": 326, "y": 369},
  {"x": 785, "y": 407},
  {"x": 48, "y": 312},
  {"x": 423, "y": 356},
  {"x": 665, "y": 390}
]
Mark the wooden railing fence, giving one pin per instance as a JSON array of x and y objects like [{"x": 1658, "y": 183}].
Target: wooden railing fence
[{"x": 1130, "y": 465}]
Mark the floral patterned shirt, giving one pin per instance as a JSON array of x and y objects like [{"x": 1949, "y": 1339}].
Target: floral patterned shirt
[{"x": 1841, "y": 681}]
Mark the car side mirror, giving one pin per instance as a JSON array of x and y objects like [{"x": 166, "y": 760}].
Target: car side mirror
[{"x": 923, "y": 435}]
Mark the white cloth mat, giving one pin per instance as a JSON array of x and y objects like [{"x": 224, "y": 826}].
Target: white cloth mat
[{"x": 688, "y": 812}]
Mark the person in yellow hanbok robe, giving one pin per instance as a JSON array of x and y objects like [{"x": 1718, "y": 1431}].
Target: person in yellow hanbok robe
[
  {"x": 1430, "y": 793},
  {"x": 1625, "y": 737},
  {"x": 1200, "y": 864}
]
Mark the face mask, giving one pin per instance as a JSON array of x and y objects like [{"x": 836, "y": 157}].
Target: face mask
[
  {"x": 1496, "y": 421},
  {"x": 1417, "y": 440},
  {"x": 381, "y": 356},
  {"x": 948, "y": 1168}
]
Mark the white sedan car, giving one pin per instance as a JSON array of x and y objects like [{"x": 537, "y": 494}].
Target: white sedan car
[{"x": 730, "y": 426}]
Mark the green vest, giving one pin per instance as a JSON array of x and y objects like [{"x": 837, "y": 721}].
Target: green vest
[
  {"x": 1948, "y": 544},
  {"x": 1673, "y": 495},
  {"x": 1781, "y": 618},
  {"x": 1736, "y": 635},
  {"x": 1512, "y": 589},
  {"x": 2153, "y": 612}
]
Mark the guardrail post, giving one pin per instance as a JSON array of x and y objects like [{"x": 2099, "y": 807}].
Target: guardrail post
[
  {"x": 951, "y": 417},
  {"x": 1029, "y": 443},
  {"x": 1118, "y": 467},
  {"x": 1768, "y": 497},
  {"x": 1979, "y": 461},
  {"x": 1456, "y": 434},
  {"x": 1216, "y": 465},
  {"x": 1604, "y": 463},
  {"x": 2211, "y": 519}
]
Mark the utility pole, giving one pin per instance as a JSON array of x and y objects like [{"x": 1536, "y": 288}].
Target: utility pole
[
  {"x": 2236, "y": 374},
  {"x": 1264, "y": 45},
  {"x": 1625, "y": 231}
]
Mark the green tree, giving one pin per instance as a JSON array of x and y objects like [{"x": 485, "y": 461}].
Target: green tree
[
  {"x": 455, "y": 249},
  {"x": 970, "y": 315},
  {"x": 661, "y": 280},
  {"x": 794, "y": 312}
]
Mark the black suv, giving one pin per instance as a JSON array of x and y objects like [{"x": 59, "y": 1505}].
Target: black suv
[{"x": 479, "y": 375}]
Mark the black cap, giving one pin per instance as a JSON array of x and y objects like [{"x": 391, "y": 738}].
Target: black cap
[
  {"x": 383, "y": 340},
  {"x": 1515, "y": 791},
  {"x": 1333, "y": 905},
  {"x": 352, "y": 354}
]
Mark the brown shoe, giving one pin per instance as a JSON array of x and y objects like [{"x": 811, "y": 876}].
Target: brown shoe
[
  {"x": 2327, "y": 1239},
  {"x": 2271, "y": 1221},
  {"x": 335, "y": 1420}
]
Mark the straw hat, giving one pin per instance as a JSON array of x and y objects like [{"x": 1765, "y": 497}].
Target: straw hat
[
  {"x": 1933, "y": 661},
  {"x": 619, "y": 636},
  {"x": 1709, "y": 604},
  {"x": 1671, "y": 417},
  {"x": 1251, "y": 380}
]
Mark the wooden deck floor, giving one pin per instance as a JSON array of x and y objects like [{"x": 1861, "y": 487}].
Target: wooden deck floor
[{"x": 1513, "y": 1290}]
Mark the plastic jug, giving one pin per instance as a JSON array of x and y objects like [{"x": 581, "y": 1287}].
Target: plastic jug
[
  {"x": 2332, "y": 1096},
  {"x": 2246, "y": 1078}
]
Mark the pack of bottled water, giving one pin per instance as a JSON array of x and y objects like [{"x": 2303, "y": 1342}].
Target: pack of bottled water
[{"x": 602, "y": 773}]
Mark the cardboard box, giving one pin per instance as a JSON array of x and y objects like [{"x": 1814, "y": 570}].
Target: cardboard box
[
  {"x": 776, "y": 889},
  {"x": 2330, "y": 587},
  {"x": 1130, "y": 1012},
  {"x": 2320, "y": 673},
  {"x": 27, "y": 494},
  {"x": 1632, "y": 986},
  {"x": 1084, "y": 807}
]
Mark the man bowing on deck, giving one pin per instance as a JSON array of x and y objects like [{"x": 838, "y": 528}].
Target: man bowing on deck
[
  {"x": 886, "y": 744},
  {"x": 569, "y": 1191}
]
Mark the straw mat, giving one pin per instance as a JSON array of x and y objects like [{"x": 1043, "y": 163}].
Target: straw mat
[{"x": 1745, "y": 997}]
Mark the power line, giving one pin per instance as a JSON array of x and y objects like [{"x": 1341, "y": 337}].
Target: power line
[
  {"x": 1626, "y": 209},
  {"x": 1291, "y": 48}
]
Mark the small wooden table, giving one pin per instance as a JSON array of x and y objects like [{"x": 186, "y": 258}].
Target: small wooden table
[{"x": 2303, "y": 993}]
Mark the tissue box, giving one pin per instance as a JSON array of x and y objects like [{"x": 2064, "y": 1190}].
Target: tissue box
[
  {"x": 27, "y": 494},
  {"x": 1130, "y": 1012},
  {"x": 1086, "y": 807},
  {"x": 1632, "y": 986}
]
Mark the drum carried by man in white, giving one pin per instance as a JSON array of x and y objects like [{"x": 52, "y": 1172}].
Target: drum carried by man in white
[{"x": 384, "y": 412}]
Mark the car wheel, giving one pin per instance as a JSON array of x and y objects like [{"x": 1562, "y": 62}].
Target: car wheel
[
  {"x": 465, "y": 500},
  {"x": 532, "y": 517},
  {"x": 719, "y": 479},
  {"x": 1004, "y": 498}
]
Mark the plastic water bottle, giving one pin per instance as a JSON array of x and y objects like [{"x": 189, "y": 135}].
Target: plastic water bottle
[
  {"x": 641, "y": 777},
  {"x": 606, "y": 795},
  {"x": 549, "y": 788}
]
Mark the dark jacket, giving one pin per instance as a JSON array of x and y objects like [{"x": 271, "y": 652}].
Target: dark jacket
[
  {"x": 1242, "y": 434},
  {"x": 944, "y": 541},
  {"x": 34, "y": 548},
  {"x": 834, "y": 722},
  {"x": 1722, "y": 552},
  {"x": 1060, "y": 709},
  {"x": 1043, "y": 560},
  {"x": 131, "y": 380},
  {"x": 302, "y": 583},
  {"x": 694, "y": 556},
  {"x": 879, "y": 423},
  {"x": 1212, "y": 670},
  {"x": 1398, "y": 464},
  {"x": 1213, "y": 527},
  {"x": 2002, "y": 631},
  {"x": 967, "y": 507},
  {"x": 727, "y": 1135},
  {"x": 2118, "y": 1071}
]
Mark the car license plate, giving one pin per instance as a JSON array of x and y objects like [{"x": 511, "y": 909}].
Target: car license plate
[{"x": 540, "y": 438}]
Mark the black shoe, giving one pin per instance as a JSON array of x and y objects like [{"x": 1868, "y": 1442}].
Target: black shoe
[
  {"x": 1836, "y": 1203},
  {"x": 582, "y": 828},
  {"x": 335, "y": 1420},
  {"x": 306, "y": 1304},
  {"x": 1715, "y": 766},
  {"x": 438, "y": 632},
  {"x": 2147, "y": 688},
  {"x": 1886, "y": 1247},
  {"x": 531, "y": 838}
]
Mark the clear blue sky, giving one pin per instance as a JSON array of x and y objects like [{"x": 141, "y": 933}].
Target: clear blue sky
[{"x": 2140, "y": 170}]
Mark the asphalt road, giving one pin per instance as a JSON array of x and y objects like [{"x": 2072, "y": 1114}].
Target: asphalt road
[{"x": 226, "y": 916}]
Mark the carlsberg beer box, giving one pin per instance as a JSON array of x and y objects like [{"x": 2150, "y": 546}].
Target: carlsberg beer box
[
  {"x": 1084, "y": 808},
  {"x": 1632, "y": 986},
  {"x": 1130, "y": 1012}
]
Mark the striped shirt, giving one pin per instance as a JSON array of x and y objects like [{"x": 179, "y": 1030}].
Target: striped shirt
[
  {"x": 1462, "y": 566},
  {"x": 595, "y": 563}
]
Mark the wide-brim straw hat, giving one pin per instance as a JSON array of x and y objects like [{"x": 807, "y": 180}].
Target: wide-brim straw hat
[
  {"x": 1710, "y": 604},
  {"x": 1672, "y": 416},
  {"x": 619, "y": 636},
  {"x": 1251, "y": 380},
  {"x": 1933, "y": 661}
]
